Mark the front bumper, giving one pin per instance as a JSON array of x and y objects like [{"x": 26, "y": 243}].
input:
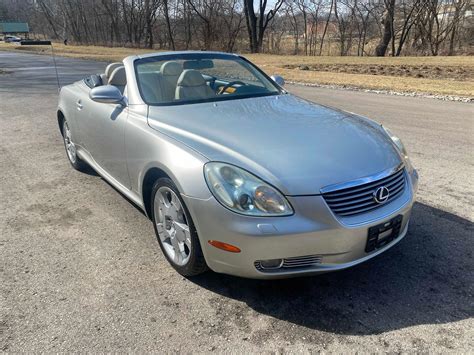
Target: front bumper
[{"x": 339, "y": 242}]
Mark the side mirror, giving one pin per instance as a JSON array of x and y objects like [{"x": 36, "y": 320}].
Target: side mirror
[
  {"x": 107, "y": 94},
  {"x": 278, "y": 79}
]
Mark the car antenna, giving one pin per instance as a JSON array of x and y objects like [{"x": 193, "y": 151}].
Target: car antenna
[{"x": 44, "y": 43}]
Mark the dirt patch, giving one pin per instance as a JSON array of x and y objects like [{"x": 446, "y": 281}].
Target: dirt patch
[{"x": 412, "y": 71}]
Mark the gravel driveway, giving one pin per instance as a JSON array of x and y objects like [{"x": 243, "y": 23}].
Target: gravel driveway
[{"x": 81, "y": 270}]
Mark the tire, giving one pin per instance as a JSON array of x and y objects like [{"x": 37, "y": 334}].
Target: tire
[
  {"x": 175, "y": 230},
  {"x": 71, "y": 151}
]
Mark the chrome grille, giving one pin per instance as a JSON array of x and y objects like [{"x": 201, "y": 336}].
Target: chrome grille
[
  {"x": 360, "y": 198},
  {"x": 293, "y": 263},
  {"x": 301, "y": 261}
]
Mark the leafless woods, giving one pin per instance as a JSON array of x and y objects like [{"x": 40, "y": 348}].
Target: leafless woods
[{"x": 308, "y": 27}]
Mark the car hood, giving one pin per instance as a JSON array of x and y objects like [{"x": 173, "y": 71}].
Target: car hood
[{"x": 297, "y": 146}]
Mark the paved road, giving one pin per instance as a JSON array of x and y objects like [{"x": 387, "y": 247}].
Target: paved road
[{"x": 81, "y": 270}]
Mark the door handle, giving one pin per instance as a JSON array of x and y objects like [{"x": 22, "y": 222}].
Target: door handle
[{"x": 79, "y": 105}]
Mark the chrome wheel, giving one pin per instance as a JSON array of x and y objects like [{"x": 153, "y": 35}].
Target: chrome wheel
[
  {"x": 70, "y": 147},
  {"x": 172, "y": 226}
]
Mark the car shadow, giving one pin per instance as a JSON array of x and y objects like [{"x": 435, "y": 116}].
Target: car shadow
[
  {"x": 89, "y": 171},
  {"x": 138, "y": 208},
  {"x": 426, "y": 278}
]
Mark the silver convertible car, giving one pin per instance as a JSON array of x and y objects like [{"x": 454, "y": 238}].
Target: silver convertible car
[{"x": 238, "y": 175}]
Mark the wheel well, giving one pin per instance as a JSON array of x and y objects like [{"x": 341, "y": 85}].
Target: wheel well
[
  {"x": 150, "y": 177},
  {"x": 60, "y": 121}
]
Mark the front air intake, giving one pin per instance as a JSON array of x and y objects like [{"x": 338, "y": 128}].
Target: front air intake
[{"x": 297, "y": 262}]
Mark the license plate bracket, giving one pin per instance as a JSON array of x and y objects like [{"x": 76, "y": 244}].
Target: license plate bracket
[{"x": 383, "y": 233}]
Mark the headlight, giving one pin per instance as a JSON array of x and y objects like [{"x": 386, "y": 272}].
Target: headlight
[
  {"x": 243, "y": 192},
  {"x": 398, "y": 143}
]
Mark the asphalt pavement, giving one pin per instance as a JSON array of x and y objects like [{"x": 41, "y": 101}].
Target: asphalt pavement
[{"x": 81, "y": 270}]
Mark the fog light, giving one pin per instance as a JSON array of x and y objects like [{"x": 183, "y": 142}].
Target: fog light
[{"x": 271, "y": 264}]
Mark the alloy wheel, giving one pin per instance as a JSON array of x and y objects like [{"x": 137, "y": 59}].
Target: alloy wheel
[
  {"x": 70, "y": 147},
  {"x": 172, "y": 226}
]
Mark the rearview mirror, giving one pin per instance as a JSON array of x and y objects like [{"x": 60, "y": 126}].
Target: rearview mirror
[
  {"x": 107, "y": 94},
  {"x": 198, "y": 64},
  {"x": 278, "y": 79}
]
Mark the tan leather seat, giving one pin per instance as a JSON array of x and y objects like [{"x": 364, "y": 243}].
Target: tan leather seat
[
  {"x": 118, "y": 78},
  {"x": 160, "y": 87},
  {"x": 192, "y": 86},
  {"x": 169, "y": 75},
  {"x": 151, "y": 90},
  {"x": 108, "y": 72}
]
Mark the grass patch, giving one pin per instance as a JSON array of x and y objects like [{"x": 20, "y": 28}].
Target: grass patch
[{"x": 431, "y": 75}]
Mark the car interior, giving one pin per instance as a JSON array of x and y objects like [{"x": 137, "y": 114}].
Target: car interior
[
  {"x": 118, "y": 78},
  {"x": 173, "y": 81}
]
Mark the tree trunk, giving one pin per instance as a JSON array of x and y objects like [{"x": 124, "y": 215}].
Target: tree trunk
[
  {"x": 168, "y": 24},
  {"x": 257, "y": 24},
  {"x": 325, "y": 29},
  {"x": 251, "y": 25},
  {"x": 305, "y": 27},
  {"x": 387, "y": 22},
  {"x": 453, "y": 31}
]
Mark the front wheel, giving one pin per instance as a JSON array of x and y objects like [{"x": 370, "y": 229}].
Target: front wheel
[
  {"x": 71, "y": 150},
  {"x": 175, "y": 229}
]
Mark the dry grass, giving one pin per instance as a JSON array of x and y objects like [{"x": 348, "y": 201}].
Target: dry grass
[
  {"x": 381, "y": 82},
  {"x": 291, "y": 59},
  {"x": 83, "y": 52},
  {"x": 289, "y": 68},
  {"x": 278, "y": 65}
]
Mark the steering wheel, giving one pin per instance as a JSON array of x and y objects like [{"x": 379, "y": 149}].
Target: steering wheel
[
  {"x": 211, "y": 80},
  {"x": 232, "y": 83}
]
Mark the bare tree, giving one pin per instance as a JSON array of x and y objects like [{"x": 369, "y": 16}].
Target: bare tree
[
  {"x": 257, "y": 22},
  {"x": 364, "y": 10},
  {"x": 387, "y": 34},
  {"x": 328, "y": 19},
  {"x": 293, "y": 15},
  {"x": 303, "y": 7},
  {"x": 431, "y": 27},
  {"x": 410, "y": 11},
  {"x": 314, "y": 8},
  {"x": 232, "y": 21}
]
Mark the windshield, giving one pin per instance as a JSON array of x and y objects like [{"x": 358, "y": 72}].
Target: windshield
[{"x": 191, "y": 78}]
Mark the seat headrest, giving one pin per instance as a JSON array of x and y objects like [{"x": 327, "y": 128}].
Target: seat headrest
[
  {"x": 190, "y": 78},
  {"x": 118, "y": 77},
  {"x": 111, "y": 67},
  {"x": 171, "y": 69}
]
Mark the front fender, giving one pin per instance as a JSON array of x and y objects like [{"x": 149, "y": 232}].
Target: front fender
[{"x": 147, "y": 149}]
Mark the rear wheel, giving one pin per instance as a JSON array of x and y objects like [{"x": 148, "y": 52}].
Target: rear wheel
[
  {"x": 175, "y": 229},
  {"x": 71, "y": 150}
]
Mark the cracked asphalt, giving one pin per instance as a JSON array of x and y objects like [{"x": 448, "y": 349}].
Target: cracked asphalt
[{"x": 81, "y": 270}]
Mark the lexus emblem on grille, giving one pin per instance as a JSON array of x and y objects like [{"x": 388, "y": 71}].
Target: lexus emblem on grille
[{"x": 381, "y": 194}]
